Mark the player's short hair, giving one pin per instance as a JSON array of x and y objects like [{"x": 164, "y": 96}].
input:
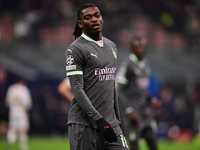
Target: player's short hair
[{"x": 78, "y": 31}]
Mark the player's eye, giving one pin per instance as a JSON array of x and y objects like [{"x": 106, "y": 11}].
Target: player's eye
[
  {"x": 97, "y": 15},
  {"x": 87, "y": 17}
]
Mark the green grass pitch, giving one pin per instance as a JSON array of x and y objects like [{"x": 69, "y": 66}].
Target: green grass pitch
[{"x": 49, "y": 143}]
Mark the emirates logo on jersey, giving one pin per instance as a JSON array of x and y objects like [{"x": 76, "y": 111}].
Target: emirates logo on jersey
[
  {"x": 105, "y": 73},
  {"x": 70, "y": 60}
]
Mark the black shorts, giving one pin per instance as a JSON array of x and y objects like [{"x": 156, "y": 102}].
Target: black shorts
[
  {"x": 135, "y": 131},
  {"x": 85, "y": 138}
]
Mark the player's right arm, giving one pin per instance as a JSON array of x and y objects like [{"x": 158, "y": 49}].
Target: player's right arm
[
  {"x": 75, "y": 59},
  {"x": 76, "y": 82}
]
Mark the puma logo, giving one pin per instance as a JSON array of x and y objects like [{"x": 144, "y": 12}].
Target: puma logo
[
  {"x": 95, "y": 55},
  {"x": 70, "y": 50}
]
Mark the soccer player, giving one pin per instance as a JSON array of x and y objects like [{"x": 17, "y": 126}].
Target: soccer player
[
  {"x": 18, "y": 99},
  {"x": 94, "y": 119},
  {"x": 133, "y": 81},
  {"x": 64, "y": 89}
]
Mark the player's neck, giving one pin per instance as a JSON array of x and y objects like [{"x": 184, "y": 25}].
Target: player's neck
[
  {"x": 139, "y": 58},
  {"x": 96, "y": 37}
]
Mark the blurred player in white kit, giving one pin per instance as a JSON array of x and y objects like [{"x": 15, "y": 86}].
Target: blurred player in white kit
[{"x": 18, "y": 99}]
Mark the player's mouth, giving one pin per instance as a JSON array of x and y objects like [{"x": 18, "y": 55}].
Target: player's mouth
[{"x": 95, "y": 26}]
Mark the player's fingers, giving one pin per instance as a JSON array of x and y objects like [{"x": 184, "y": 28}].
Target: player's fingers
[{"x": 111, "y": 136}]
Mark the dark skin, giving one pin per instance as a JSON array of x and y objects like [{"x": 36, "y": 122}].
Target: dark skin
[
  {"x": 91, "y": 22},
  {"x": 138, "y": 47}
]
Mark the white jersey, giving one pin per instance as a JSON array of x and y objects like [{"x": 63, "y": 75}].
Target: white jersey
[{"x": 18, "y": 99}]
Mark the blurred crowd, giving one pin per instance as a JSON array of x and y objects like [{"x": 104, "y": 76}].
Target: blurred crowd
[{"x": 173, "y": 23}]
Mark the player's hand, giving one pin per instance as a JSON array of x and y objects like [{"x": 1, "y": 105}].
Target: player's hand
[
  {"x": 106, "y": 130},
  {"x": 134, "y": 116}
]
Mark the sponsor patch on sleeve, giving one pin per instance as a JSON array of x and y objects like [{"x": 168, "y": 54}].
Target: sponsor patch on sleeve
[{"x": 72, "y": 67}]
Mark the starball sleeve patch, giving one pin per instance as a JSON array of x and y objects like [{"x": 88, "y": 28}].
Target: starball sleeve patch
[
  {"x": 69, "y": 60},
  {"x": 74, "y": 60}
]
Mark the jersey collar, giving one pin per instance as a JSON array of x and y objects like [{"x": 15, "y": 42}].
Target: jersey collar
[
  {"x": 91, "y": 40},
  {"x": 133, "y": 58}
]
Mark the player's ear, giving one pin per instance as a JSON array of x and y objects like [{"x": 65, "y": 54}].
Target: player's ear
[{"x": 80, "y": 24}]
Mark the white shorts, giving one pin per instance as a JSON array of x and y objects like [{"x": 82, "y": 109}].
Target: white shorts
[{"x": 19, "y": 123}]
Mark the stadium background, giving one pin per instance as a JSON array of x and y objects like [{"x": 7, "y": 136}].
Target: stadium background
[{"x": 34, "y": 35}]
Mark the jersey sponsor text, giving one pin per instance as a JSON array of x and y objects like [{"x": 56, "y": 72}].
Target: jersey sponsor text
[{"x": 105, "y": 73}]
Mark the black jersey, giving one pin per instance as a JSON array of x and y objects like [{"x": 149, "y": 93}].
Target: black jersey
[
  {"x": 97, "y": 64},
  {"x": 133, "y": 75}
]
